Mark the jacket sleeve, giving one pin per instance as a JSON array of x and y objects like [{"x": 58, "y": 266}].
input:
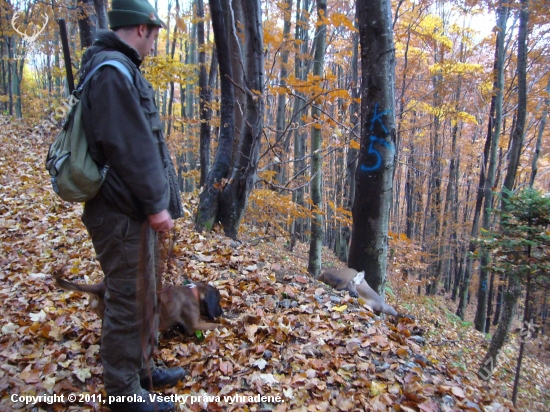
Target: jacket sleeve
[{"x": 125, "y": 136}]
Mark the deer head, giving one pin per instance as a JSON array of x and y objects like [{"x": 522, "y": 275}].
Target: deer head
[{"x": 37, "y": 30}]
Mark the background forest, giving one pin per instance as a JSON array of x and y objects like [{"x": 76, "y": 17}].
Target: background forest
[{"x": 471, "y": 94}]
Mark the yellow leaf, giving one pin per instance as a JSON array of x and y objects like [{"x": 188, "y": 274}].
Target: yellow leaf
[
  {"x": 83, "y": 374},
  {"x": 354, "y": 144},
  {"x": 377, "y": 388},
  {"x": 339, "y": 308},
  {"x": 180, "y": 23}
]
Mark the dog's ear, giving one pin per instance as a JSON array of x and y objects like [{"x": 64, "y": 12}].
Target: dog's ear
[{"x": 212, "y": 303}]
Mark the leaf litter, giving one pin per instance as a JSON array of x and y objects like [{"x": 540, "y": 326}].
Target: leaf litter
[{"x": 284, "y": 334}]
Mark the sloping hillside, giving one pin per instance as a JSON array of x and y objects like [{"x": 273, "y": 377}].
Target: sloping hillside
[{"x": 286, "y": 342}]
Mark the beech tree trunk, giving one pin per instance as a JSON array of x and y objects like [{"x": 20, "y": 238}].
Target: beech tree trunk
[
  {"x": 483, "y": 288},
  {"x": 351, "y": 158},
  {"x": 190, "y": 113},
  {"x": 542, "y": 125},
  {"x": 101, "y": 14},
  {"x": 316, "y": 241},
  {"x": 172, "y": 52},
  {"x": 205, "y": 99},
  {"x": 234, "y": 18},
  {"x": 87, "y": 22},
  {"x": 500, "y": 53},
  {"x": 210, "y": 196},
  {"x": 514, "y": 288},
  {"x": 300, "y": 72},
  {"x": 234, "y": 198},
  {"x": 283, "y": 136},
  {"x": 369, "y": 241}
]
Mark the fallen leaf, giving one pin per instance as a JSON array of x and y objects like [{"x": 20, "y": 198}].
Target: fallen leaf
[
  {"x": 38, "y": 317},
  {"x": 339, "y": 308},
  {"x": 83, "y": 374}
]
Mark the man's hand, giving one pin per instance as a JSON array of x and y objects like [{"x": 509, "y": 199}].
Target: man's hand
[{"x": 161, "y": 222}]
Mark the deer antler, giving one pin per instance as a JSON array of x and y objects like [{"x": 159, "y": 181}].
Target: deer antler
[{"x": 24, "y": 34}]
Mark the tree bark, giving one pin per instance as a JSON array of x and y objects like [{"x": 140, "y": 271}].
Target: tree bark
[
  {"x": 352, "y": 154},
  {"x": 172, "y": 52},
  {"x": 235, "y": 21},
  {"x": 190, "y": 111},
  {"x": 100, "y": 7},
  {"x": 500, "y": 52},
  {"x": 316, "y": 241},
  {"x": 205, "y": 98},
  {"x": 234, "y": 198},
  {"x": 369, "y": 243},
  {"x": 514, "y": 288},
  {"x": 86, "y": 22},
  {"x": 282, "y": 136},
  {"x": 210, "y": 196},
  {"x": 300, "y": 72},
  {"x": 542, "y": 125},
  {"x": 481, "y": 313}
]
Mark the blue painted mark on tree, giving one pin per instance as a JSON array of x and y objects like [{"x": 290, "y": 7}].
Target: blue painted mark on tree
[
  {"x": 378, "y": 116},
  {"x": 484, "y": 284},
  {"x": 372, "y": 150}
]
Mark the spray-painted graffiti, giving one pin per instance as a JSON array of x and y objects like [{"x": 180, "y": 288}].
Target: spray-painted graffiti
[
  {"x": 484, "y": 284},
  {"x": 373, "y": 152}
]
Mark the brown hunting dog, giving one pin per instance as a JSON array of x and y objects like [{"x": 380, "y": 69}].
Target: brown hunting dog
[{"x": 179, "y": 305}]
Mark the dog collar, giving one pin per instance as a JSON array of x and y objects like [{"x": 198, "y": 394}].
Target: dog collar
[{"x": 195, "y": 291}]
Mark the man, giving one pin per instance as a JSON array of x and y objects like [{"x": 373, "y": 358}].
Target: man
[{"x": 124, "y": 131}]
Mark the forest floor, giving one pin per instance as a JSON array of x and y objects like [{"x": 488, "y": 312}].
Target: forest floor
[{"x": 286, "y": 341}]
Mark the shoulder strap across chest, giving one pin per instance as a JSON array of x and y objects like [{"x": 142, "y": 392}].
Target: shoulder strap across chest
[{"x": 114, "y": 63}]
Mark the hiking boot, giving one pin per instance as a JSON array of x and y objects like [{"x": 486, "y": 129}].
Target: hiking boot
[
  {"x": 143, "y": 402},
  {"x": 163, "y": 377}
]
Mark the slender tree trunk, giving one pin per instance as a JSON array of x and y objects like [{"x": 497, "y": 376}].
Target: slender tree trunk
[
  {"x": 481, "y": 313},
  {"x": 499, "y": 302},
  {"x": 172, "y": 85},
  {"x": 234, "y": 198},
  {"x": 514, "y": 288},
  {"x": 542, "y": 125},
  {"x": 87, "y": 22},
  {"x": 434, "y": 194},
  {"x": 205, "y": 99},
  {"x": 400, "y": 115},
  {"x": 190, "y": 110},
  {"x": 500, "y": 53},
  {"x": 369, "y": 243},
  {"x": 351, "y": 157},
  {"x": 316, "y": 242},
  {"x": 17, "y": 76},
  {"x": 209, "y": 197},
  {"x": 459, "y": 273},
  {"x": 234, "y": 17},
  {"x": 300, "y": 72},
  {"x": 524, "y": 334},
  {"x": 282, "y": 136},
  {"x": 444, "y": 248},
  {"x": 100, "y": 7},
  {"x": 490, "y": 303}
]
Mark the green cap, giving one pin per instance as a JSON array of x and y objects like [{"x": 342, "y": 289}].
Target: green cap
[{"x": 132, "y": 12}]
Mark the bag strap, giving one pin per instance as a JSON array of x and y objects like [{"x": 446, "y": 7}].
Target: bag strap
[{"x": 113, "y": 63}]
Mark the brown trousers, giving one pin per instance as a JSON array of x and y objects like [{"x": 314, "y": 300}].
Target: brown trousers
[{"x": 116, "y": 239}]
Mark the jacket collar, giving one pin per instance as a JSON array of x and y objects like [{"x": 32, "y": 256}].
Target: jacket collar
[{"x": 109, "y": 40}]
